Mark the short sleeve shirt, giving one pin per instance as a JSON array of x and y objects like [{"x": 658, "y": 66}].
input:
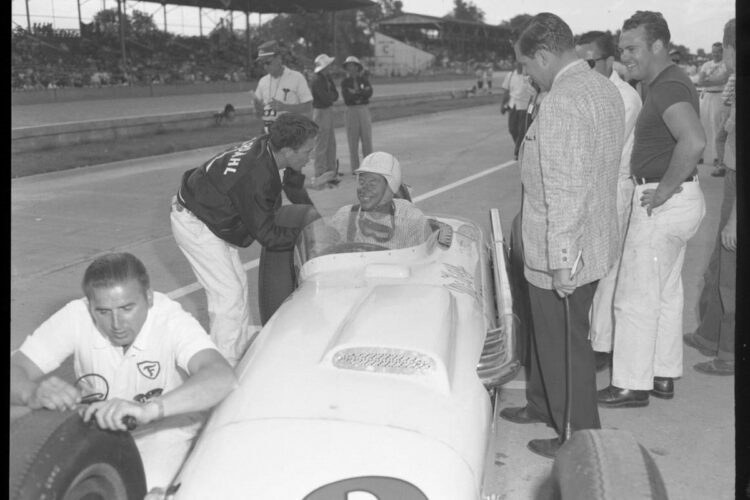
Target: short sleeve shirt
[
  {"x": 654, "y": 144},
  {"x": 520, "y": 90},
  {"x": 290, "y": 87},
  {"x": 157, "y": 359}
]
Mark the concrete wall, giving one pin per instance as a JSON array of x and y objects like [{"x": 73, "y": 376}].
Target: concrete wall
[
  {"x": 51, "y": 136},
  {"x": 68, "y": 94}
]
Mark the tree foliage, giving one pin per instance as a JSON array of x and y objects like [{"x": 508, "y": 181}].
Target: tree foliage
[{"x": 466, "y": 11}]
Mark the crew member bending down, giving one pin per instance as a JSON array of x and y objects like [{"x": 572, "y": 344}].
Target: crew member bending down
[{"x": 379, "y": 218}]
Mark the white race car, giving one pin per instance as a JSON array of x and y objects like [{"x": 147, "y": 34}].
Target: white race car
[{"x": 373, "y": 378}]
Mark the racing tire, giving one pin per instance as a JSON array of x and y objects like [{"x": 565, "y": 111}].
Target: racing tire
[
  {"x": 56, "y": 455},
  {"x": 606, "y": 465},
  {"x": 277, "y": 277}
]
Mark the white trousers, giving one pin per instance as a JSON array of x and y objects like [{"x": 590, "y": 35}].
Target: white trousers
[
  {"x": 649, "y": 296},
  {"x": 711, "y": 107},
  {"x": 219, "y": 270},
  {"x": 602, "y": 308}
]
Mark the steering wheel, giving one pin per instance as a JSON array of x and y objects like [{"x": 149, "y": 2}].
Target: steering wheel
[{"x": 353, "y": 247}]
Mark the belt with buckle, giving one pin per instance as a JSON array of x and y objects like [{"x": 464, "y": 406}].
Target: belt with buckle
[
  {"x": 713, "y": 91},
  {"x": 653, "y": 180}
]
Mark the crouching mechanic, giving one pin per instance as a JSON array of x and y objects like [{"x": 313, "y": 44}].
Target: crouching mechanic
[
  {"x": 379, "y": 218},
  {"x": 146, "y": 356},
  {"x": 231, "y": 201}
]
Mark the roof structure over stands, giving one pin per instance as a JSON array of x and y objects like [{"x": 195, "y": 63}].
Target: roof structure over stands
[
  {"x": 271, "y": 6},
  {"x": 463, "y": 39},
  {"x": 250, "y": 6}
]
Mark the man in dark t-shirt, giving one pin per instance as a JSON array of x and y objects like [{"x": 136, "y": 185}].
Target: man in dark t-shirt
[{"x": 668, "y": 207}]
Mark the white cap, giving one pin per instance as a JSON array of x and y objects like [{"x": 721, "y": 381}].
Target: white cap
[
  {"x": 384, "y": 164},
  {"x": 353, "y": 59},
  {"x": 322, "y": 61}
]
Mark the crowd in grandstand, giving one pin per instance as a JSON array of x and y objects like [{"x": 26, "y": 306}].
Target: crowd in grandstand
[{"x": 48, "y": 58}]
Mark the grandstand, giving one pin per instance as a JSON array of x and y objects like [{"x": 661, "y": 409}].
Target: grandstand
[{"x": 451, "y": 41}]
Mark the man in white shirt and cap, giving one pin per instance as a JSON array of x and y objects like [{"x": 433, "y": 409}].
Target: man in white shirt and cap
[
  {"x": 281, "y": 90},
  {"x": 711, "y": 78}
]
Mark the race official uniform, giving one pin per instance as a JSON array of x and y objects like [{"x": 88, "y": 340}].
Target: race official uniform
[
  {"x": 169, "y": 338},
  {"x": 602, "y": 313},
  {"x": 290, "y": 87},
  {"x": 357, "y": 92},
  {"x": 410, "y": 226},
  {"x": 649, "y": 296},
  {"x": 229, "y": 202}
]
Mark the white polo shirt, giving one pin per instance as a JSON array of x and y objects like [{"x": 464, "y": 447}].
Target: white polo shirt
[
  {"x": 290, "y": 87},
  {"x": 168, "y": 339},
  {"x": 157, "y": 359}
]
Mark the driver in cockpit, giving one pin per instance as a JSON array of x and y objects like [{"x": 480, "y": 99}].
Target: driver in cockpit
[{"x": 380, "y": 218}]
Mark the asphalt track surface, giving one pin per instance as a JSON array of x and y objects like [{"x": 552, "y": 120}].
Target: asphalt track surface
[{"x": 458, "y": 162}]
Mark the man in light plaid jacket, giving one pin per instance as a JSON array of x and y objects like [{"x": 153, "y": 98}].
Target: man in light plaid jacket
[{"x": 569, "y": 164}]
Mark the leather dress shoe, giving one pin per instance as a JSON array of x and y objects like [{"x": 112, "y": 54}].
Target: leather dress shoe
[
  {"x": 615, "y": 397},
  {"x": 691, "y": 340},
  {"x": 522, "y": 415},
  {"x": 663, "y": 387},
  {"x": 544, "y": 447},
  {"x": 603, "y": 360},
  {"x": 716, "y": 367}
]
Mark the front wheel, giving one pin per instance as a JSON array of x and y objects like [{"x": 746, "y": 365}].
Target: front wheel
[{"x": 56, "y": 455}]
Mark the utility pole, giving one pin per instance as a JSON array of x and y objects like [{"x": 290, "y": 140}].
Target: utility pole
[
  {"x": 121, "y": 21},
  {"x": 28, "y": 17}
]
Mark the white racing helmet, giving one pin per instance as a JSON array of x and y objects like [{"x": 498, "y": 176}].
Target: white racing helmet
[{"x": 384, "y": 164}]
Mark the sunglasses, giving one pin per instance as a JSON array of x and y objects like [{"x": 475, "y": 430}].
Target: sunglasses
[
  {"x": 592, "y": 62},
  {"x": 267, "y": 62}
]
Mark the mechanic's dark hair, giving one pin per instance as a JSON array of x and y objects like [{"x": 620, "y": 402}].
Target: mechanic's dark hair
[
  {"x": 604, "y": 40},
  {"x": 112, "y": 269},
  {"x": 292, "y": 130},
  {"x": 717, "y": 44},
  {"x": 545, "y": 31},
  {"x": 730, "y": 34},
  {"x": 654, "y": 25}
]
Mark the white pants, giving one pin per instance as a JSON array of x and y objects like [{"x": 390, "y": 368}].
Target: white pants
[
  {"x": 649, "y": 297},
  {"x": 219, "y": 270},
  {"x": 602, "y": 308},
  {"x": 711, "y": 107}
]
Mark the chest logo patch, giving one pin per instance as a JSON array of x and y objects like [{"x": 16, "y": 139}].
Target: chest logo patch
[{"x": 149, "y": 369}]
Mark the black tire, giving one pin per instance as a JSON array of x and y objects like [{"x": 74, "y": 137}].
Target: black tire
[
  {"x": 56, "y": 455},
  {"x": 606, "y": 465},
  {"x": 276, "y": 274}
]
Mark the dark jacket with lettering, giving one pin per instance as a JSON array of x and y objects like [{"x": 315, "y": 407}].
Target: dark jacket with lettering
[
  {"x": 323, "y": 91},
  {"x": 237, "y": 192},
  {"x": 356, "y": 90}
]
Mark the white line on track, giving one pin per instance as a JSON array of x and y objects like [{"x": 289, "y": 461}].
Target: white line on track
[{"x": 194, "y": 287}]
